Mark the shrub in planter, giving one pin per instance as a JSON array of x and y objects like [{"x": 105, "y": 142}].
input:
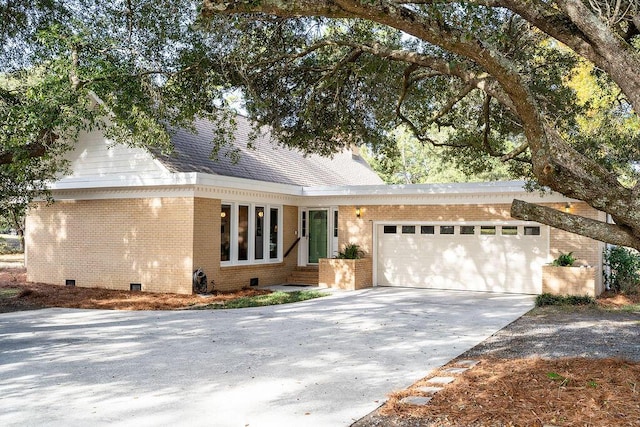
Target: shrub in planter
[
  {"x": 350, "y": 251},
  {"x": 564, "y": 260}
]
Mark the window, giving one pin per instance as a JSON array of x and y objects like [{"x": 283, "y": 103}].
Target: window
[
  {"x": 243, "y": 233},
  {"x": 225, "y": 233},
  {"x": 488, "y": 230},
  {"x": 447, "y": 229},
  {"x": 390, "y": 229},
  {"x": 273, "y": 233},
  {"x": 335, "y": 223},
  {"x": 510, "y": 230},
  {"x": 427, "y": 229},
  {"x": 259, "y": 236},
  {"x": 304, "y": 223},
  {"x": 467, "y": 229},
  {"x": 250, "y": 233},
  {"x": 408, "y": 229},
  {"x": 531, "y": 231}
]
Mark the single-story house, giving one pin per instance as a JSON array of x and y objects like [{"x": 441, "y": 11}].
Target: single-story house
[{"x": 126, "y": 218}]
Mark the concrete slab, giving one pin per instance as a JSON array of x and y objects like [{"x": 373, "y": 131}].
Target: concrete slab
[
  {"x": 455, "y": 371},
  {"x": 428, "y": 389},
  {"x": 416, "y": 400},
  {"x": 323, "y": 362},
  {"x": 441, "y": 380}
]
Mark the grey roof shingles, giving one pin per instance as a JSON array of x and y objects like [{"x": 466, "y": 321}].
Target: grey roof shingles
[{"x": 267, "y": 162}]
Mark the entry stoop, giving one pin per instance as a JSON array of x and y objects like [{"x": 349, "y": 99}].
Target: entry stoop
[{"x": 304, "y": 276}]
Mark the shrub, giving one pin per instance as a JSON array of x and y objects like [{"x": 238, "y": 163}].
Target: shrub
[
  {"x": 350, "y": 251},
  {"x": 623, "y": 266},
  {"x": 550, "y": 299},
  {"x": 564, "y": 260}
]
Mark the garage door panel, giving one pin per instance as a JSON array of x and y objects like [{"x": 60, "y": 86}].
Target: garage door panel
[{"x": 500, "y": 263}]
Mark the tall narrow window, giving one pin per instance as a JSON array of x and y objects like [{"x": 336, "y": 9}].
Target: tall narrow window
[
  {"x": 243, "y": 233},
  {"x": 225, "y": 233},
  {"x": 335, "y": 223},
  {"x": 273, "y": 233},
  {"x": 259, "y": 236}
]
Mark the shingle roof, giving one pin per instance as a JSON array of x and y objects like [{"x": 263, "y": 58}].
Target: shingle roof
[{"x": 267, "y": 162}]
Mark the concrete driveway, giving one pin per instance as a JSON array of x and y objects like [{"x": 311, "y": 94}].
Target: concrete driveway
[{"x": 324, "y": 362}]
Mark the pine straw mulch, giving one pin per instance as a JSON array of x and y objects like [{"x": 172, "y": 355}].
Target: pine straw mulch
[
  {"x": 41, "y": 295},
  {"x": 613, "y": 301},
  {"x": 527, "y": 392}
]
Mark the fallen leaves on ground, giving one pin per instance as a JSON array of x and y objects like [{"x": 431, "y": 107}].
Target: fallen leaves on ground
[
  {"x": 530, "y": 392},
  {"x": 39, "y": 295}
]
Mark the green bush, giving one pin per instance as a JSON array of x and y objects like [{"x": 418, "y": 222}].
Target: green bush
[
  {"x": 550, "y": 299},
  {"x": 564, "y": 260},
  {"x": 350, "y": 251},
  {"x": 624, "y": 265}
]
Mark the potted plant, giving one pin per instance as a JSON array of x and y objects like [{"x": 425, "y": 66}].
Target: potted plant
[{"x": 350, "y": 270}]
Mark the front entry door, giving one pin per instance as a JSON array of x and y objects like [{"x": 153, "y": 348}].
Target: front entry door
[{"x": 318, "y": 222}]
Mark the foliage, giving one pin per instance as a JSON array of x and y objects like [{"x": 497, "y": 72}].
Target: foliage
[
  {"x": 8, "y": 248},
  {"x": 564, "y": 260},
  {"x": 273, "y": 298},
  {"x": 134, "y": 69},
  {"x": 551, "y": 299},
  {"x": 350, "y": 251},
  {"x": 624, "y": 269}
]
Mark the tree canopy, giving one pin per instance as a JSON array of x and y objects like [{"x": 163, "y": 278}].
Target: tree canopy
[
  {"x": 498, "y": 72},
  {"x": 548, "y": 88}
]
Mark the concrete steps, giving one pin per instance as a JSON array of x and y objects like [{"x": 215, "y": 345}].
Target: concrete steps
[{"x": 304, "y": 276}]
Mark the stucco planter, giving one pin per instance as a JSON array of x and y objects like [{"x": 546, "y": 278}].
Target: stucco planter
[
  {"x": 347, "y": 274},
  {"x": 569, "y": 280}
]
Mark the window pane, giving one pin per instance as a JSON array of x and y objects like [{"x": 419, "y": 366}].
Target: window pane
[
  {"x": 408, "y": 229},
  {"x": 446, "y": 229},
  {"x": 273, "y": 233},
  {"x": 532, "y": 231},
  {"x": 304, "y": 223},
  {"x": 225, "y": 233},
  {"x": 510, "y": 230},
  {"x": 488, "y": 230},
  {"x": 390, "y": 229},
  {"x": 427, "y": 229},
  {"x": 467, "y": 229},
  {"x": 243, "y": 233},
  {"x": 335, "y": 223},
  {"x": 259, "y": 240}
]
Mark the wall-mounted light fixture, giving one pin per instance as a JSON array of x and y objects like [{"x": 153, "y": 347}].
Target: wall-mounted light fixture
[
  {"x": 260, "y": 214},
  {"x": 358, "y": 212},
  {"x": 223, "y": 214},
  {"x": 567, "y": 207}
]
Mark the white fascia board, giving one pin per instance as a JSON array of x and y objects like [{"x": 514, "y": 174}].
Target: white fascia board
[
  {"x": 230, "y": 182},
  {"x": 125, "y": 181},
  {"x": 429, "y": 194}
]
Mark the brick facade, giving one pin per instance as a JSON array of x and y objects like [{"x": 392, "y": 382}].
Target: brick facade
[
  {"x": 360, "y": 230},
  {"x": 113, "y": 243},
  {"x": 156, "y": 242}
]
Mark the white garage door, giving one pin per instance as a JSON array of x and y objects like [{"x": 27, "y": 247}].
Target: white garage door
[{"x": 478, "y": 257}]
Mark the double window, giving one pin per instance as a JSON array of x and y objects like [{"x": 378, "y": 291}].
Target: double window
[{"x": 250, "y": 233}]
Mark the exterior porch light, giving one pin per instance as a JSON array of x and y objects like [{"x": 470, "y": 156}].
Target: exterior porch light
[
  {"x": 223, "y": 214},
  {"x": 567, "y": 207},
  {"x": 358, "y": 212}
]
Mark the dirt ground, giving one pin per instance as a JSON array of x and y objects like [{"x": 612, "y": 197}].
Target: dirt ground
[
  {"x": 552, "y": 367},
  {"x": 19, "y": 295}
]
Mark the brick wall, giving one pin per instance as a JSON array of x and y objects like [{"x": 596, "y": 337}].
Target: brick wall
[{"x": 112, "y": 243}]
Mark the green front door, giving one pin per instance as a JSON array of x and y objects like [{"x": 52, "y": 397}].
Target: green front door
[{"x": 318, "y": 221}]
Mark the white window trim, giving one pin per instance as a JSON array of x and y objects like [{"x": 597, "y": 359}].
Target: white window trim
[{"x": 234, "y": 228}]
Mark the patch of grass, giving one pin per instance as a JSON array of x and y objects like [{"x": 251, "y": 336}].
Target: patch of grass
[
  {"x": 550, "y": 299},
  {"x": 273, "y": 298},
  {"x": 9, "y": 292}
]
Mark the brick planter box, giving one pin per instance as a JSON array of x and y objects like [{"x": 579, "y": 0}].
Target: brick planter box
[
  {"x": 347, "y": 274},
  {"x": 569, "y": 280}
]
